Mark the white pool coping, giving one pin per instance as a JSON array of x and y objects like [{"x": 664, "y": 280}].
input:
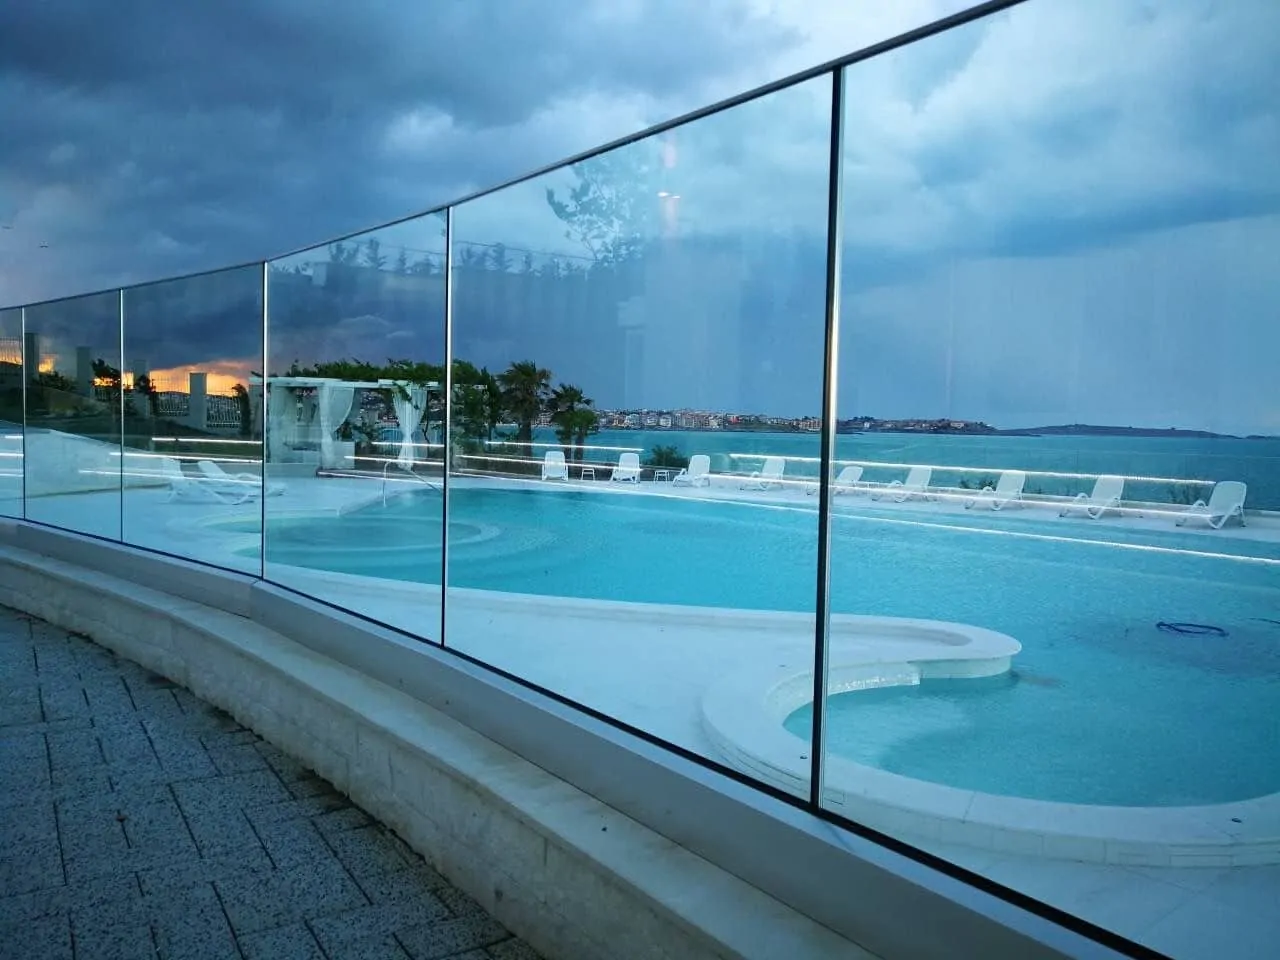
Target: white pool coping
[{"x": 744, "y": 714}]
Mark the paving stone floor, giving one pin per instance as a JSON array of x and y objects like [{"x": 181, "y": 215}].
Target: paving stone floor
[{"x": 138, "y": 821}]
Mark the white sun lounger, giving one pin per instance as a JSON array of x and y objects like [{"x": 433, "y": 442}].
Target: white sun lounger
[
  {"x": 697, "y": 474},
  {"x": 767, "y": 477},
  {"x": 183, "y": 487},
  {"x": 1008, "y": 489},
  {"x": 916, "y": 485},
  {"x": 846, "y": 481},
  {"x": 628, "y": 469},
  {"x": 1106, "y": 495},
  {"x": 554, "y": 467},
  {"x": 250, "y": 484},
  {"x": 1226, "y": 501}
]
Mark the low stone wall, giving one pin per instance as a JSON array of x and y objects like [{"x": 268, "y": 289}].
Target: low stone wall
[{"x": 572, "y": 876}]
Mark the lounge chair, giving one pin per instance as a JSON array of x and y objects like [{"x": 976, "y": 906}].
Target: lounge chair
[
  {"x": 250, "y": 484},
  {"x": 1008, "y": 489},
  {"x": 183, "y": 487},
  {"x": 628, "y": 469},
  {"x": 767, "y": 477},
  {"x": 697, "y": 474},
  {"x": 916, "y": 485},
  {"x": 1106, "y": 495},
  {"x": 1226, "y": 501},
  {"x": 846, "y": 481},
  {"x": 554, "y": 467}
]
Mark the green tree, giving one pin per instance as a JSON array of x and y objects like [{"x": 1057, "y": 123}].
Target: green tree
[
  {"x": 608, "y": 210},
  {"x": 143, "y": 384},
  {"x": 494, "y": 408},
  {"x": 105, "y": 375},
  {"x": 498, "y": 259},
  {"x": 413, "y": 372},
  {"x": 53, "y": 380},
  {"x": 105, "y": 372},
  {"x": 359, "y": 370},
  {"x": 666, "y": 456},
  {"x": 470, "y": 404},
  {"x": 373, "y": 255},
  {"x": 246, "y": 409},
  {"x": 575, "y": 420},
  {"x": 402, "y": 261},
  {"x": 525, "y": 389},
  {"x": 341, "y": 253}
]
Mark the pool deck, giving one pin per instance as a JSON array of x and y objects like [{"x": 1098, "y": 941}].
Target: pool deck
[
  {"x": 141, "y": 822},
  {"x": 1192, "y": 911}
]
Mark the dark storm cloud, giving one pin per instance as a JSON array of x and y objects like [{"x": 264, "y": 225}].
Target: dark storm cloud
[
  {"x": 143, "y": 139},
  {"x": 486, "y": 61}
]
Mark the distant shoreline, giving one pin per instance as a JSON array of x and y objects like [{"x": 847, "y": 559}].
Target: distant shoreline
[
  {"x": 1089, "y": 430},
  {"x": 845, "y": 428}
]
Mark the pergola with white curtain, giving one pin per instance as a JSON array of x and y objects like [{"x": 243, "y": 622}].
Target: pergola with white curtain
[{"x": 290, "y": 423}]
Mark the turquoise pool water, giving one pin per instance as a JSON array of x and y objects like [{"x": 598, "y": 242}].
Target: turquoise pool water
[{"x": 1103, "y": 707}]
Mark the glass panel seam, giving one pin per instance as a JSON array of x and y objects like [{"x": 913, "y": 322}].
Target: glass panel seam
[
  {"x": 446, "y": 434},
  {"x": 831, "y": 344}
]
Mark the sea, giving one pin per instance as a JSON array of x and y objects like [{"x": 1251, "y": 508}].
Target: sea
[{"x": 1158, "y": 469}]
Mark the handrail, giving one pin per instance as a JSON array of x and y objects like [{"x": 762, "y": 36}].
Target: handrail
[{"x": 396, "y": 463}]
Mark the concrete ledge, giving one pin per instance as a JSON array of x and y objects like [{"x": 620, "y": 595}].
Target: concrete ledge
[
  {"x": 219, "y": 588},
  {"x": 568, "y": 873},
  {"x": 670, "y": 868}
]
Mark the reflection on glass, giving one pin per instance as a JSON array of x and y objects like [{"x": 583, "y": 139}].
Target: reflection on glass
[
  {"x": 72, "y": 365},
  {"x": 355, "y": 421},
  {"x": 637, "y": 350},
  {"x": 1048, "y": 447},
  {"x": 192, "y": 417},
  {"x": 11, "y": 361}
]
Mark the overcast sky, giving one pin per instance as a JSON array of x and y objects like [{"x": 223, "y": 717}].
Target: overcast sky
[
  {"x": 143, "y": 138},
  {"x": 1068, "y": 213}
]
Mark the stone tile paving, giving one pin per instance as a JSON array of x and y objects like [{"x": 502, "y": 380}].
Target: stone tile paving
[{"x": 138, "y": 821}]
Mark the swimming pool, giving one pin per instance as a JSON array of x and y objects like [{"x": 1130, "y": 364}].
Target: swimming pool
[{"x": 1103, "y": 707}]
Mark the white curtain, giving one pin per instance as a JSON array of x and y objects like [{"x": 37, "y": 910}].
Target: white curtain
[
  {"x": 409, "y": 412},
  {"x": 335, "y": 404},
  {"x": 282, "y": 419}
]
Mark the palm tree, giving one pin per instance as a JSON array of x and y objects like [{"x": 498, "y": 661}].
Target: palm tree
[
  {"x": 572, "y": 413},
  {"x": 585, "y": 422},
  {"x": 667, "y": 456},
  {"x": 492, "y": 401},
  {"x": 525, "y": 390},
  {"x": 142, "y": 384},
  {"x": 245, "y": 406}
]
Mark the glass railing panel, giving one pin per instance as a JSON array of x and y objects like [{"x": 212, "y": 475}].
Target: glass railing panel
[
  {"x": 11, "y": 416},
  {"x": 637, "y": 345},
  {"x": 72, "y": 437},
  {"x": 1055, "y": 647},
  {"x": 193, "y": 417},
  {"x": 355, "y": 417}
]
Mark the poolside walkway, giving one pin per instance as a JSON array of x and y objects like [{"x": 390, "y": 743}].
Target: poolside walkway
[{"x": 138, "y": 821}]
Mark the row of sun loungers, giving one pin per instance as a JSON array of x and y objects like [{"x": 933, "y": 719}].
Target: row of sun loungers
[
  {"x": 697, "y": 474},
  {"x": 1225, "y": 503}
]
